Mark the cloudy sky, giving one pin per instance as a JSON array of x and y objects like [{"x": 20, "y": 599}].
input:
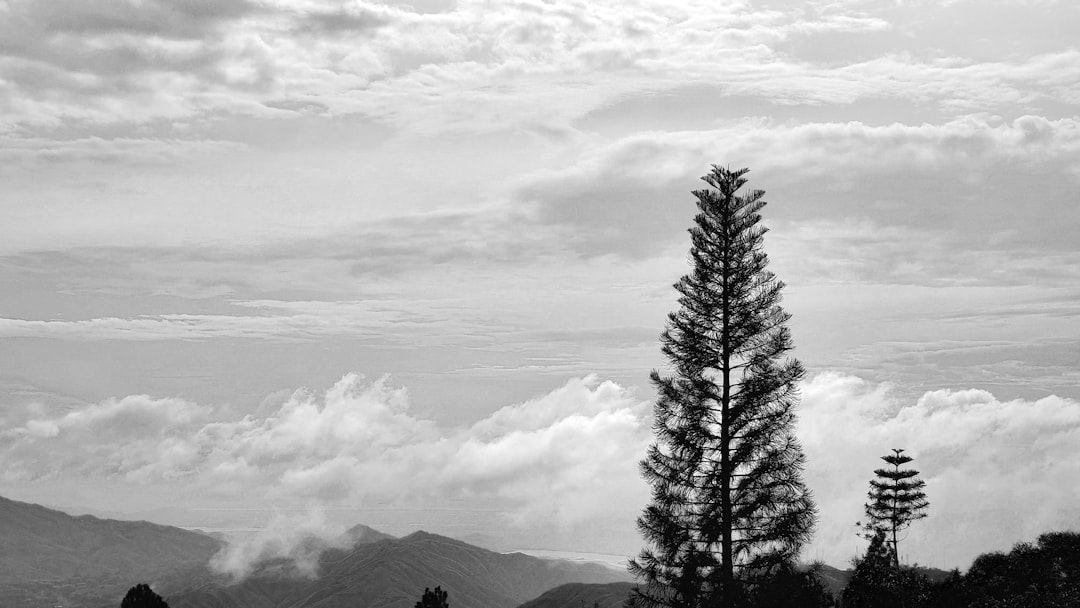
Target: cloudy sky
[{"x": 406, "y": 263}]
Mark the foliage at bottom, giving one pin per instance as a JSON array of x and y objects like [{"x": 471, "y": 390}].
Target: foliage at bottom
[{"x": 142, "y": 596}]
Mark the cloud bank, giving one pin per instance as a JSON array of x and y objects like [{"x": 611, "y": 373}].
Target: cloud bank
[
  {"x": 560, "y": 461},
  {"x": 126, "y": 62},
  {"x": 997, "y": 471}
]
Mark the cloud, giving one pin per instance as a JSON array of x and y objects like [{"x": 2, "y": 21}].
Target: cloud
[
  {"x": 183, "y": 326},
  {"x": 835, "y": 176},
  {"x": 481, "y": 67},
  {"x": 167, "y": 18},
  {"x": 88, "y": 109},
  {"x": 290, "y": 542},
  {"x": 1030, "y": 365},
  {"x": 930, "y": 204},
  {"x": 997, "y": 471},
  {"x": 555, "y": 456},
  {"x": 21, "y": 154},
  {"x": 377, "y": 321},
  {"x": 864, "y": 251},
  {"x": 122, "y": 62},
  {"x": 346, "y": 19},
  {"x": 136, "y": 438},
  {"x": 553, "y": 460}
]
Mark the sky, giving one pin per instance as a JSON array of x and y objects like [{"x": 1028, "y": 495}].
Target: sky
[{"x": 295, "y": 265}]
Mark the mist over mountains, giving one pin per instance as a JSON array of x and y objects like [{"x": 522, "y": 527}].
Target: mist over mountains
[
  {"x": 390, "y": 573},
  {"x": 50, "y": 558}
]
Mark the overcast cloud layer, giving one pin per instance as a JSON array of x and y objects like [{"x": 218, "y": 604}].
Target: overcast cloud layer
[{"x": 206, "y": 205}]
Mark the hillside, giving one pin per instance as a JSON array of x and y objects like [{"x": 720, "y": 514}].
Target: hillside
[
  {"x": 394, "y": 573},
  {"x": 576, "y": 595},
  {"x": 49, "y": 558}
]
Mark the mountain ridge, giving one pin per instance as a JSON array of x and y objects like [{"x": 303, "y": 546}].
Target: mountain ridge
[
  {"x": 392, "y": 573},
  {"x": 49, "y": 557},
  {"x": 576, "y": 595}
]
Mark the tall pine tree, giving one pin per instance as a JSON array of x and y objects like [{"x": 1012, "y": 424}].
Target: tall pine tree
[
  {"x": 728, "y": 498},
  {"x": 896, "y": 498}
]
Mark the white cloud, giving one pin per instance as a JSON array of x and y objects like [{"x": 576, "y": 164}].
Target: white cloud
[
  {"x": 558, "y": 459},
  {"x": 570, "y": 455},
  {"x": 293, "y": 540},
  {"x": 356, "y": 319},
  {"x": 136, "y": 438},
  {"x": 892, "y": 202},
  {"x": 481, "y": 66},
  {"x": 997, "y": 471}
]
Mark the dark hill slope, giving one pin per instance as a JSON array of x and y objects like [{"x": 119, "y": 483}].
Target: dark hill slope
[
  {"x": 48, "y": 557},
  {"x": 576, "y": 595},
  {"x": 394, "y": 573}
]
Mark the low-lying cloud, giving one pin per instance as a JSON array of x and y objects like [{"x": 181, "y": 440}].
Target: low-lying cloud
[
  {"x": 289, "y": 543},
  {"x": 997, "y": 471},
  {"x": 558, "y": 461}
]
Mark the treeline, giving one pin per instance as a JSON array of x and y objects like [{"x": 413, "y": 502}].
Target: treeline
[
  {"x": 142, "y": 596},
  {"x": 1043, "y": 574}
]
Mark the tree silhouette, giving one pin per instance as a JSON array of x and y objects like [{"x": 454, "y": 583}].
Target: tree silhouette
[
  {"x": 1045, "y": 574},
  {"x": 874, "y": 582},
  {"x": 433, "y": 599},
  {"x": 896, "y": 498},
  {"x": 787, "y": 586},
  {"x": 142, "y": 596},
  {"x": 725, "y": 468}
]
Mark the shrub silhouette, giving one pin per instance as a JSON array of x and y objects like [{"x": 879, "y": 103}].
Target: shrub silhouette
[
  {"x": 433, "y": 599},
  {"x": 1045, "y": 574},
  {"x": 787, "y": 586},
  {"x": 878, "y": 582},
  {"x": 142, "y": 596}
]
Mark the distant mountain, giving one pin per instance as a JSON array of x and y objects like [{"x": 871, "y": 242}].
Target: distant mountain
[
  {"x": 361, "y": 534},
  {"x": 578, "y": 595},
  {"x": 835, "y": 579},
  {"x": 392, "y": 573},
  {"x": 49, "y": 558}
]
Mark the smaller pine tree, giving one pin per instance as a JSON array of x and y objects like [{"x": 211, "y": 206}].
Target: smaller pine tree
[
  {"x": 142, "y": 596},
  {"x": 433, "y": 599},
  {"x": 896, "y": 499}
]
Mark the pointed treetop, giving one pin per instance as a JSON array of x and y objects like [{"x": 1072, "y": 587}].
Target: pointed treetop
[{"x": 897, "y": 458}]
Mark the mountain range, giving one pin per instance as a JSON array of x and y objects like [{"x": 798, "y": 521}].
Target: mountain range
[
  {"x": 51, "y": 559},
  {"x": 392, "y": 573}
]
